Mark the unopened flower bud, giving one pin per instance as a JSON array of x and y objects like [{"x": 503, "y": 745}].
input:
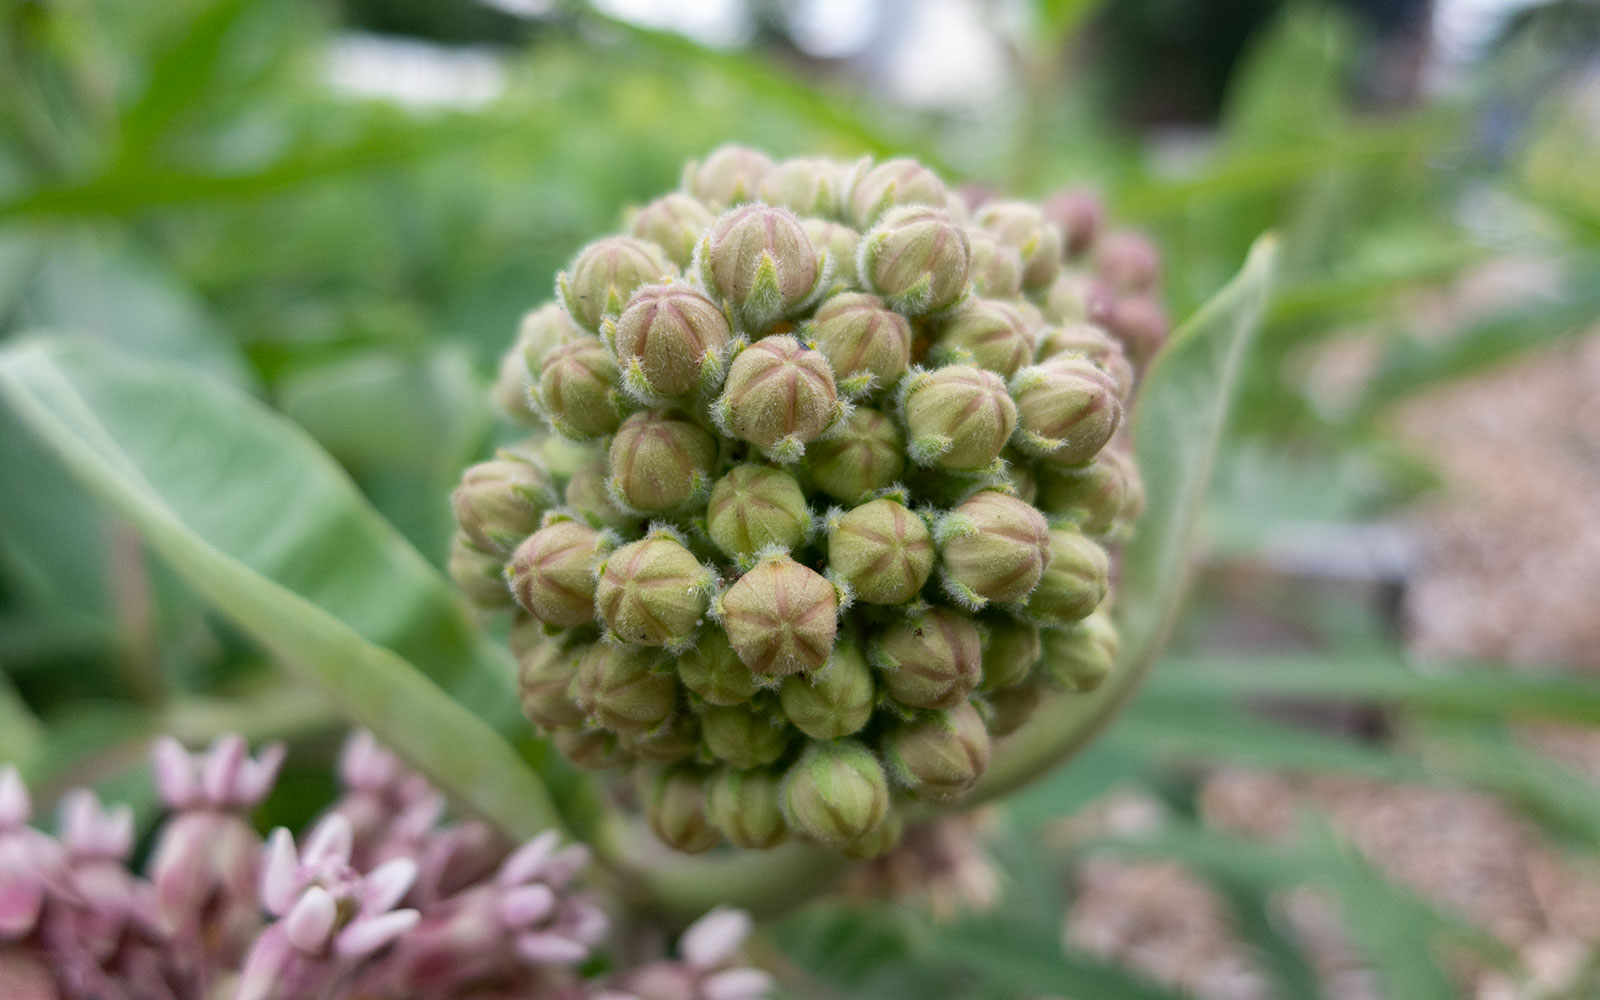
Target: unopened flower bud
[
  {"x": 1072, "y": 298},
  {"x": 669, "y": 341},
  {"x": 993, "y": 547},
  {"x": 1024, "y": 484},
  {"x": 878, "y": 841},
  {"x": 779, "y": 396},
  {"x": 590, "y": 749},
  {"x": 985, "y": 333},
  {"x": 604, "y": 275},
  {"x": 653, "y": 592},
  {"x": 880, "y": 549},
  {"x": 996, "y": 267},
  {"x": 836, "y": 792},
  {"x": 900, "y": 181},
  {"x": 839, "y": 242},
  {"x": 478, "y": 574},
  {"x": 712, "y": 670},
  {"x": 500, "y": 502},
  {"x": 542, "y": 330},
  {"x": 1088, "y": 341},
  {"x": 806, "y": 186},
  {"x": 674, "y": 223},
  {"x": 675, "y": 807},
  {"x": 624, "y": 689},
  {"x": 1079, "y": 657},
  {"x": 758, "y": 259},
  {"x": 678, "y": 739},
  {"x": 742, "y": 736},
  {"x": 588, "y": 497},
  {"x": 1067, "y": 410},
  {"x": 1128, "y": 262},
  {"x": 577, "y": 391},
  {"x": 552, "y": 573},
  {"x": 867, "y": 344},
  {"x": 1023, "y": 226},
  {"x": 865, "y": 453},
  {"x": 917, "y": 258},
  {"x": 1074, "y": 581},
  {"x": 730, "y": 175},
  {"x": 939, "y": 756},
  {"x": 931, "y": 660},
  {"x": 660, "y": 462},
  {"x": 1080, "y": 215},
  {"x": 957, "y": 418},
  {"x": 1091, "y": 497},
  {"x": 744, "y": 806},
  {"x": 781, "y": 617},
  {"x": 834, "y": 701},
  {"x": 1010, "y": 707},
  {"x": 754, "y": 507},
  {"x": 1140, "y": 323},
  {"x": 1011, "y": 649},
  {"x": 544, "y": 683}
]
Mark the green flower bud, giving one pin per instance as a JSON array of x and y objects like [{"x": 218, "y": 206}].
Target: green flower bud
[
  {"x": 577, "y": 391},
  {"x": 1010, "y": 707},
  {"x": 1091, "y": 497},
  {"x": 754, "y": 507},
  {"x": 678, "y": 740},
  {"x": 836, "y": 793},
  {"x": 996, "y": 267},
  {"x": 1024, "y": 484},
  {"x": 760, "y": 261},
  {"x": 778, "y": 397},
  {"x": 993, "y": 547},
  {"x": 867, "y": 344},
  {"x": 957, "y": 418},
  {"x": 1011, "y": 650},
  {"x": 834, "y": 701},
  {"x": 588, "y": 496},
  {"x": 780, "y": 617},
  {"x": 653, "y": 592},
  {"x": 806, "y": 186},
  {"x": 878, "y": 841},
  {"x": 730, "y": 175},
  {"x": 500, "y": 502},
  {"x": 917, "y": 259},
  {"x": 865, "y": 453},
  {"x": 552, "y": 573},
  {"x": 712, "y": 670},
  {"x": 744, "y": 806},
  {"x": 1067, "y": 410},
  {"x": 604, "y": 275},
  {"x": 624, "y": 689},
  {"x": 669, "y": 341},
  {"x": 1071, "y": 299},
  {"x": 660, "y": 462},
  {"x": 743, "y": 737},
  {"x": 1079, "y": 657},
  {"x": 675, "y": 807},
  {"x": 479, "y": 575},
  {"x": 939, "y": 756},
  {"x": 985, "y": 333},
  {"x": 839, "y": 242},
  {"x": 674, "y": 223},
  {"x": 1128, "y": 262},
  {"x": 1023, "y": 226},
  {"x": 1088, "y": 341},
  {"x": 541, "y": 331},
  {"x": 900, "y": 181},
  {"x": 544, "y": 682},
  {"x": 590, "y": 749},
  {"x": 933, "y": 660},
  {"x": 880, "y": 549},
  {"x": 1074, "y": 583}
]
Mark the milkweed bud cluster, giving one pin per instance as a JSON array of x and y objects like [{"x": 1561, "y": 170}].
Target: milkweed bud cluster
[{"x": 856, "y": 457}]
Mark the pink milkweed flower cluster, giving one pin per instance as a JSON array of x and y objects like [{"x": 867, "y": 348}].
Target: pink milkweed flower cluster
[{"x": 381, "y": 899}]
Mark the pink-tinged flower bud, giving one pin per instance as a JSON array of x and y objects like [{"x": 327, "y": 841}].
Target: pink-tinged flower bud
[
  {"x": 877, "y": 842},
  {"x": 836, "y": 792},
  {"x": 674, "y": 223},
  {"x": 1079, "y": 657},
  {"x": 881, "y": 550},
  {"x": 714, "y": 672},
  {"x": 552, "y": 573},
  {"x": 588, "y": 495},
  {"x": 730, "y": 175},
  {"x": 744, "y": 806},
  {"x": 1067, "y": 410},
  {"x": 755, "y": 507},
  {"x": 931, "y": 660},
  {"x": 743, "y": 737},
  {"x": 1080, "y": 215},
  {"x": 500, "y": 502},
  {"x": 653, "y": 592},
  {"x": 900, "y": 181},
  {"x": 670, "y": 341},
  {"x": 759, "y": 261},
  {"x": 1012, "y": 706},
  {"x": 675, "y": 807},
  {"x": 591, "y": 749},
  {"x": 1090, "y": 342},
  {"x": 993, "y": 547},
  {"x": 1091, "y": 497},
  {"x": 806, "y": 186},
  {"x": 780, "y": 617},
  {"x": 996, "y": 267},
  {"x": 864, "y": 454},
  {"x": 1021, "y": 225},
  {"x": 625, "y": 689},
  {"x": 544, "y": 684},
  {"x": 779, "y": 396},
  {"x": 479, "y": 575},
  {"x": 1073, "y": 298},
  {"x": 917, "y": 258},
  {"x": 985, "y": 333},
  {"x": 1021, "y": 479},
  {"x": 677, "y": 740},
  {"x": 578, "y": 393},
  {"x": 1128, "y": 262},
  {"x": 835, "y": 701},
  {"x": 1074, "y": 582},
  {"x": 604, "y": 275},
  {"x": 867, "y": 344},
  {"x": 542, "y": 330},
  {"x": 957, "y": 418},
  {"x": 1140, "y": 323},
  {"x": 660, "y": 462},
  {"x": 840, "y": 243},
  {"x": 939, "y": 756},
  {"x": 1011, "y": 650}
]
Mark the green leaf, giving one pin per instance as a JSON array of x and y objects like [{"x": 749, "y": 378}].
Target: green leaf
[
  {"x": 21, "y": 735},
  {"x": 1027, "y": 959},
  {"x": 263, "y": 525}
]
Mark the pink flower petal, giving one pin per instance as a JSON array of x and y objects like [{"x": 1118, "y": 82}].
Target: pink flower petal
[
  {"x": 387, "y": 884},
  {"x": 310, "y": 923},
  {"x": 279, "y": 874},
  {"x": 526, "y": 905},
  {"x": 219, "y": 774},
  {"x": 256, "y": 777},
  {"x": 544, "y": 948},
  {"x": 736, "y": 984},
  {"x": 712, "y": 940},
  {"x": 176, "y": 780},
  {"x": 368, "y": 934},
  {"x": 526, "y": 863},
  {"x": 331, "y": 840}
]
